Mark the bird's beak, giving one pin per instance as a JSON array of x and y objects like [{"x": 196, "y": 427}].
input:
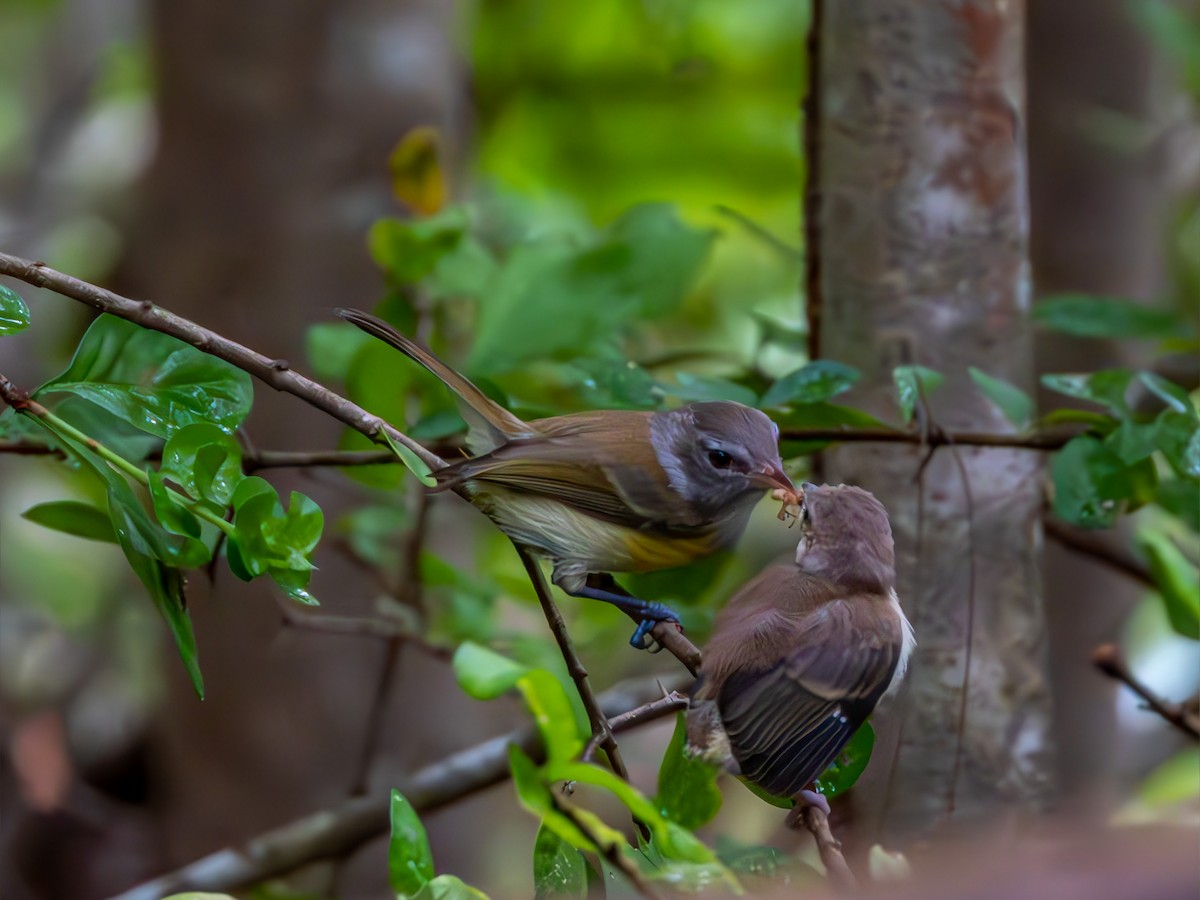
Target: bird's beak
[{"x": 772, "y": 477}]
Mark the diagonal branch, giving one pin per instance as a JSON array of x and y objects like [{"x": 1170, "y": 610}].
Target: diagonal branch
[
  {"x": 1107, "y": 658},
  {"x": 276, "y": 373},
  {"x": 335, "y": 832}
]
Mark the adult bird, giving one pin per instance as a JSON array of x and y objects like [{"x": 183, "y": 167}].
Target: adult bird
[
  {"x": 802, "y": 654},
  {"x": 610, "y": 490}
]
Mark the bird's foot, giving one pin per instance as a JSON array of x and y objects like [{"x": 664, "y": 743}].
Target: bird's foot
[
  {"x": 805, "y": 799},
  {"x": 652, "y": 613}
]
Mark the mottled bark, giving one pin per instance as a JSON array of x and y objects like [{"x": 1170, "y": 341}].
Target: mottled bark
[{"x": 924, "y": 236}]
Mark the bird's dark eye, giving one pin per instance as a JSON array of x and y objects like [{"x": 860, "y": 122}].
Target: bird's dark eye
[{"x": 720, "y": 459}]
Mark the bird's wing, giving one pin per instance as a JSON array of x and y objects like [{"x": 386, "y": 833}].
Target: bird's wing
[
  {"x": 601, "y": 464},
  {"x": 787, "y": 722}
]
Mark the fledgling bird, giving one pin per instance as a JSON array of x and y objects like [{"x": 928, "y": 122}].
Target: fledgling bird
[
  {"x": 802, "y": 654},
  {"x": 610, "y": 490}
]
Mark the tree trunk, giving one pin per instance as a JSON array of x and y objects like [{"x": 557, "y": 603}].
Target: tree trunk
[{"x": 923, "y": 229}]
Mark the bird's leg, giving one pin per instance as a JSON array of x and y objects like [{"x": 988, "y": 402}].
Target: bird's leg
[{"x": 646, "y": 613}]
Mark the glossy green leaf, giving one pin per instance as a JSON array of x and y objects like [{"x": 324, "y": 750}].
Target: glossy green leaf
[
  {"x": 146, "y": 546},
  {"x": 617, "y": 383},
  {"x": 1092, "y": 485},
  {"x": 1178, "y": 436},
  {"x": 411, "y": 461},
  {"x": 552, "y": 711},
  {"x": 449, "y": 887},
  {"x": 14, "y": 314},
  {"x": 1168, "y": 392},
  {"x": 152, "y": 381},
  {"x": 692, "y": 388},
  {"x": 559, "y": 869},
  {"x": 687, "y": 786},
  {"x": 1109, "y": 317},
  {"x": 912, "y": 384},
  {"x": 661, "y": 860},
  {"x": 272, "y": 541},
  {"x": 1132, "y": 441},
  {"x": 1016, "y": 405},
  {"x": 1107, "y": 387},
  {"x": 1177, "y": 580},
  {"x": 536, "y": 797},
  {"x": 73, "y": 517},
  {"x": 410, "y": 861},
  {"x": 205, "y": 461},
  {"x": 850, "y": 763},
  {"x": 483, "y": 673},
  {"x": 1181, "y": 497},
  {"x": 815, "y": 382},
  {"x": 766, "y": 796},
  {"x": 189, "y": 552}
]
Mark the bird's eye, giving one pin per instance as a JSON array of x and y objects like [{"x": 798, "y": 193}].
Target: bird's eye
[{"x": 720, "y": 459}]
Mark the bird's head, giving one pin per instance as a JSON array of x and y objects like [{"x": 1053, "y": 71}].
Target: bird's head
[{"x": 846, "y": 538}]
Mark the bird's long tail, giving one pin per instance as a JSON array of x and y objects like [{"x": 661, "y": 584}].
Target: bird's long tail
[{"x": 498, "y": 425}]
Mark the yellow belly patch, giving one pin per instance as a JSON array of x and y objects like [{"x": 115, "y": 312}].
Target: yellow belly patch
[{"x": 654, "y": 551}]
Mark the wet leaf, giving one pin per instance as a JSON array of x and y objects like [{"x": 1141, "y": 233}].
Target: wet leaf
[
  {"x": 687, "y": 786},
  {"x": 14, "y": 314},
  {"x": 815, "y": 382},
  {"x": 559, "y": 870},
  {"x": 410, "y": 861},
  {"x": 72, "y": 517}
]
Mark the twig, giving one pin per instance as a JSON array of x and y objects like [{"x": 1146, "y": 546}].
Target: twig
[
  {"x": 350, "y": 626},
  {"x": 611, "y": 850},
  {"x": 816, "y": 822},
  {"x": 1035, "y": 440},
  {"x": 333, "y": 832},
  {"x": 1099, "y": 549},
  {"x": 1107, "y": 658},
  {"x": 276, "y": 373},
  {"x": 669, "y": 702},
  {"x": 599, "y": 723}
]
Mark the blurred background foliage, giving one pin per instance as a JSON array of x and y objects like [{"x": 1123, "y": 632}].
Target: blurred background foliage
[{"x": 613, "y": 221}]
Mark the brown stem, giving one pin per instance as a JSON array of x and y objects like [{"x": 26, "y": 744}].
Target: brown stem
[
  {"x": 599, "y": 723},
  {"x": 1093, "y": 545},
  {"x": 1107, "y": 658},
  {"x": 813, "y": 298},
  {"x": 335, "y": 832},
  {"x": 816, "y": 822},
  {"x": 276, "y": 373},
  {"x": 349, "y": 626},
  {"x": 669, "y": 702}
]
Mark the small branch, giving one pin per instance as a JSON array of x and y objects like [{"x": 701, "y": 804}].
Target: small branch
[
  {"x": 335, "y": 832},
  {"x": 611, "y": 850},
  {"x": 1037, "y": 440},
  {"x": 668, "y": 703},
  {"x": 276, "y": 373},
  {"x": 601, "y": 733},
  {"x": 1098, "y": 548},
  {"x": 350, "y": 626},
  {"x": 1107, "y": 658},
  {"x": 814, "y": 303},
  {"x": 816, "y": 822}
]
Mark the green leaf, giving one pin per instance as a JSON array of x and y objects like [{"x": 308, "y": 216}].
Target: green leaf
[
  {"x": 617, "y": 383},
  {"x": 641, "y": 267},
  {"x": 449, "y": 887},
  {"x": 912, "y": 384},
  {"x": 72, "y": 517},
  {"x": 850, "y": 763},
  {"x": 1092, "y": 485},
  {"x": 559, "y": 870},
  {"x": 1016, "y": 405},
  {"x": 1168, "y": 794},
  {"x": 815, "y": 382},
  {"x": 1109, "y": 317},
  {"x": 483, "y": 673},
  {"x": 1132, "y": 441},
  {"x": 552, "y": 710},
  {"x": 14, "y": 314},
  {"x": 189, "y": 552},
  {"x": 410, "y": 861},
  {"x": 145, "y": 546},
  {"x": 1178, "y": 436},
  {"x": 411, "y": 461},
  {"x": 535, "y": 796},
  {"x": 331, "y": 347},
  {"x": 205, "y": 461},
  {"x": 408, "y": 250},
  {"x": 1106, "y": 387},
  {"x": 1168, "y": 392},
  {"x": 271, "y": 541},
  {"x": 1177, "y": 582},
  {"x": 1181, "y": 497},
  {"x": 788, "y": 335},
  {"x": 691, "y": 388},
  {"x": 687, "y": 786},
  {"x": 152, "y": 381}
]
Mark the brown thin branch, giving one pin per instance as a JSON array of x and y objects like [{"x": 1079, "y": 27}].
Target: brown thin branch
[
  {"x": 276, "y": 373},
  {"x": 816, "y": 822},
  {"x": 1035, "y": 440},
  {"x": 1107, "y": 658},
  {"x": 1098, "y": 548},
  {"x": 351, "y": 626},
  {"x": 601, "y": 733},
  {"x": 814, "y": 303},
  {"x": 335, "y": 832},
  {"x": 669, "y": 702}
]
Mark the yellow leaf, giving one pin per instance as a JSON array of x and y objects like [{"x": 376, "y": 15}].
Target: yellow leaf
[{"x": 418, "y": 180}]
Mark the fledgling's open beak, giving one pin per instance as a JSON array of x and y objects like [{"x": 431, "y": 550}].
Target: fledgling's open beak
[{"x": 772, "y": 478}]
